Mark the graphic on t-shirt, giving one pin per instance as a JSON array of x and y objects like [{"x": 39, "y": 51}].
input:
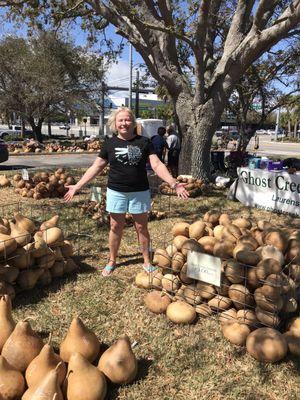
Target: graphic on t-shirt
[{"x": 130, "y": 155}]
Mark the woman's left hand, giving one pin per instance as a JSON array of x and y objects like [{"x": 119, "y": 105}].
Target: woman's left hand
[{"x": 181, "y": 191}]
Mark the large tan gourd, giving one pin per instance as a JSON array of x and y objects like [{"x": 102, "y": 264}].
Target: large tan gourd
[
  {"x": 180, "y": 312},
  {"x": 212, "y": 217},
  {"x": 267, "y": 345},
  {"x": 146, "y": 281},
  {"x": 7, "y": 324},
  {"x": 197, "y": 230},
  {"x": 24, "y": 223},
  {"x": 266, "y": 304},
  {"x": 50, "y": 223},
  {"x": 84, "y": 381},
  {"x": 21, "y": 236},
  {"x": 177, "y": 262},
  {"x": 162, "y": 258},
  {"x": 43, "y": 363},
  {"x": 234, "y": 271},
  {"x": 266, "y": 267},
  {"x": 236, "y": 333},
  {"x": 208, "y": 243},
  {"x": 228, "y": 316},
  {"x": 53, "y": 236},
  {"x": 8, "y": 273},
  {"x": 79, "y": 339},
  {"x": 28, "y": 278},
  {"x": 191, "y": 294},
  {"x": 67, "y": 249},
  {"x": 118, "y": 362},
  {"x": 181, "y": 228},
  {"x": 45, "y": 389},
  {"x": 242, "y": 223},
  {"x": 267, "y": 318},
  {"x": 7, "y": 245},
  {"x": 22, "y": 346},
  {"x": 170, "y": 282},
  {"x": 224, "y": 219},
  {"x": 220, "y": 303},
  {"x": 293, "y": 341},
  {"x": 157, "y": 301},
  {"x": 191, "y": 245},
  {"x": 223, "y": 249},
  {"x": 270, "y": 251},
  {"x": 294, "y": 324},
  {"x": 178, "y": 241},
  {"x": 12, "y": 383},
  {"x": 278, "y": 239},
  {"x": 21, "y": 259},
  {"x": 240, "y": 296}
]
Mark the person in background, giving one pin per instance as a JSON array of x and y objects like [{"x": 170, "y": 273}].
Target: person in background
[
  {"x": 173, "y": 143},
  {"x": 159, "y": 143},
  {"x": 128, "y": 186}
]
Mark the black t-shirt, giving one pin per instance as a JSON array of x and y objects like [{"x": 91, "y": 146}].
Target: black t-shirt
[{"x": 127, "y": 160}]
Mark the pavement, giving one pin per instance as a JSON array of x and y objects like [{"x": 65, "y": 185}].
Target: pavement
[{"x": 268, "y": 147}]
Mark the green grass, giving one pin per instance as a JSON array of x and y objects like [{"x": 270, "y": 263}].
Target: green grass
[{"x": 182, "y": 362}]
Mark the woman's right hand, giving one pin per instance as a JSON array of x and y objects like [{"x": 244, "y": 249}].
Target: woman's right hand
[{"x": 72, "y": 189}]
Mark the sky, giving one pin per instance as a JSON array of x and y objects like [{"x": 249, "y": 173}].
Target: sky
[{"x": 118, "y": 74}]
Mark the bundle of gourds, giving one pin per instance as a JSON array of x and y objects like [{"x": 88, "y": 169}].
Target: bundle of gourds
[
  {"x": 97, "y": 210},
  {"x": 93, "y": 145},
  {"x": 33, "y": 370},
  {"x": 32, "y": 255},
  {"x": 4, "y": 181},
  {"x": 43, "y": 184},
  {"x": 260, "y": 275},
  {"x": 194, "y": 186}
]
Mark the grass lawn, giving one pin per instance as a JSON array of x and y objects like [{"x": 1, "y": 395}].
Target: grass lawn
[{"x": 182, "y": 362}]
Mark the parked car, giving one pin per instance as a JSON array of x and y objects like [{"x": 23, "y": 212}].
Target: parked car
[
  {"x": 4, "y": 154},
  {"x": 65, "y": 126},
  {"x": 261, "y": 132}
]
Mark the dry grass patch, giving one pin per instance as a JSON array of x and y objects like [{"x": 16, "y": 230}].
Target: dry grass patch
[{"x": 183, "y": 362}]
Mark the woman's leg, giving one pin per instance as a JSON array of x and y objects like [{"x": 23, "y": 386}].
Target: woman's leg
[
  {"x": 117, "y": 222},
  {"x": 141, "y": 226}
]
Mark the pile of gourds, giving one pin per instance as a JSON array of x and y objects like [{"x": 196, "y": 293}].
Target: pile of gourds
[
  {"x": 43, "y": 184},
  {"x": 4, "y": 181},
  {"x": 97, "y": 210},
  {"x": 32, "y": 370},
  {"x": 194, "y": 186},
  {"x": 32, "y": 254},
  {"x": 259, "y": 279}
]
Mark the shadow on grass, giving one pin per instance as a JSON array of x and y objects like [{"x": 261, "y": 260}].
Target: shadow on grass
[{"x": 143, "y": 368}]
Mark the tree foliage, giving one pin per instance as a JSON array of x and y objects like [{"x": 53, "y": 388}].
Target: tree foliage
[
  {"x": 183, "y": 42},
  {"x": 44, "y": 76}
]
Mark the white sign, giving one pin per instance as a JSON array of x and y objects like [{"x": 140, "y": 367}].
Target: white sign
[
  {"x": 204, "y": 267},
  {"x": 96, "y": 194},
  {"x": 25, "y": 175},
  {"x": 276, "y": 191}
]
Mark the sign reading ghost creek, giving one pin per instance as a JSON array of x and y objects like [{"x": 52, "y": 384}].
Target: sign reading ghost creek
[
  {"x": 276, "y": 191},
  {"x": 204, "y": 267}
]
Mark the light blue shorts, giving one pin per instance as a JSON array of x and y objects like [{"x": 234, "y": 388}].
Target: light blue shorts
[{"x": 131, "y": 202}]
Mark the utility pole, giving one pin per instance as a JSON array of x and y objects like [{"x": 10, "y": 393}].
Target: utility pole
[
  {"x": 102, "y": 110},
  {"x": 277, "y": 123},
  {"x": 130, "y": 76},
  {"x": 137, "y": 94}
]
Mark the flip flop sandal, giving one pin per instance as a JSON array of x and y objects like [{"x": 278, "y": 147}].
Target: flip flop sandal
[
  {"x": 108, "y": 270},
  {"x": 149, "y": 268}
]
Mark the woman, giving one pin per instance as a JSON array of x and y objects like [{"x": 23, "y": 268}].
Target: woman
[{"x": 128, "y": 187}]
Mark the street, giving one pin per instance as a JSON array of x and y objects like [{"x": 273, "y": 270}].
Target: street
[
  {"x": 266, "y": 148},
  {"x": 271, "y": 148},
  {"x": 48, "y": 161}
]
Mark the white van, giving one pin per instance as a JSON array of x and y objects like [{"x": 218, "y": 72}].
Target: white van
[{"x": 149, "y": 127}]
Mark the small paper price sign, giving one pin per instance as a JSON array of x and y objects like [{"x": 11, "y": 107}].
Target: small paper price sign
[
  {"x": 204, "y": 267},
  {"x": 25, "y": 174},
  {"x": 96, "y": 194}
]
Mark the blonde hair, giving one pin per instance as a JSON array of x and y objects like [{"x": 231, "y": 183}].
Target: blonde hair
[{"x": 111, "y": 122}]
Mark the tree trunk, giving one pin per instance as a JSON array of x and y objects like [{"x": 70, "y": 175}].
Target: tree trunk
[
  {"x": 37, "y": 129},
  {"x": 198, "y": 126}
]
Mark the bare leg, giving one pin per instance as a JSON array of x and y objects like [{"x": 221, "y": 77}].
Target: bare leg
[
  {"x": 117, "y": 222},
  {"x": 141, "y": 227}
]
